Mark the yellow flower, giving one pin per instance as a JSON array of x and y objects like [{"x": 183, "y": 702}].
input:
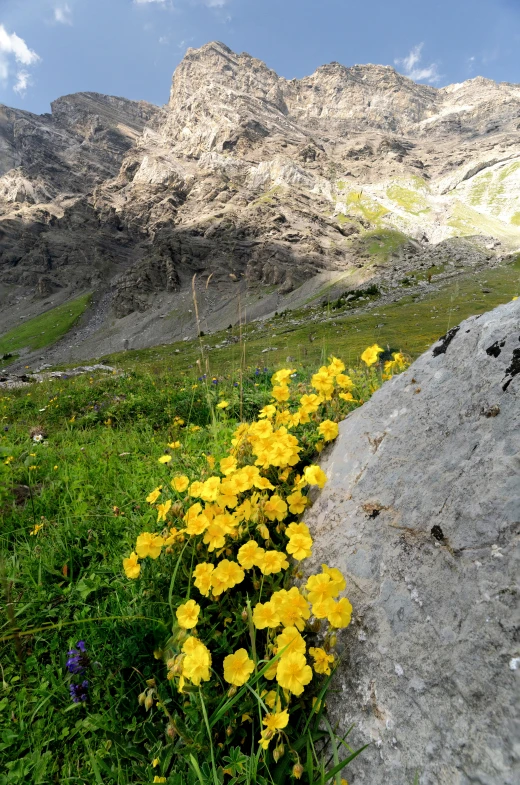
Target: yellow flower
[
  {"x": 323, "y": 381},
  {"x": 38, "y": 527},
  {"x": 263, "y": 484},
  {"x": 165, "y": 459},
  {"x": 148, "y": 544},
  {"x": 273, "y": 722},
  {"x": 197, "y": 662},
  {"x": 159, "y": 779},
  {"x": 272, "y": 562},
  {"x": 222, "y": 405},
  {"x": 211, "y": 489},
  {"x": 275, "y": 509},
  {"x": 335, "y": 366},
  {"x": 268, "y": 411},
  {"x": 322, "y": 608},
  {"x": 250, "y": 554},
  {"x": 281, "y": 393},
  {"x": 228, "y": 465},
  {"x": 131, "y": 566},
  {"x": 336, "y": 577},
  {"x": 329, "y": 430},
  {"x": 297, "y": 528},
  {"x": 344, "y": 381},
  {"x": 238, "y": 667},
  {"x": 215, "y": 537},
  {"x": 370, "y": 355},
  {"x": 320, "y": 587},
  {"x": 297, "y": 502},
  {"x": 270, "y": 698},
  {"x": 174, "y": 445},
  {"x": 322, "y": 660},
  {"x": 290, "y": 641},
  {"x": 341, "y": 614},
  {"x": 293, "y": 673},
  {"x": 188, "y": 614},
  {"x": 202, "y": 574},
  {"x": 154, "y": 495},
  {"x": 346, "y": 396},
  {"x": 196, "y": 489},
  {"x": 282, "y": 376},
  {"x": 155, "y": 762},
  {"x": 163, "y": 510},
  {"x": 292, "y": 608},
  {"x": 180, "y": 483},
  {"x": 299, "y": 546},
  {"x": 226, "y": 575},
  {"x": 315, "y": 476},
  {"x": 265, "y": 615}
]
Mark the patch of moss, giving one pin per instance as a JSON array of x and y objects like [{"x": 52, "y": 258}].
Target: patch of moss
[
  {"x": 515, "y": 219},
  {"x": 407, "y": 199},
  {"x": 45, "y": 329},
  {"x": 381, "y": 244},
  {"x": 369, "y": 208}
]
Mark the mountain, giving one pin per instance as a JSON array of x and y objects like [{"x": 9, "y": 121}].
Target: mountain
[{"x": 255, "y": 184}]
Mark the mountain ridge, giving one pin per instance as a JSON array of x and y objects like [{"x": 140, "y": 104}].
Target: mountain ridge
[{"x": 251, "y": 181}]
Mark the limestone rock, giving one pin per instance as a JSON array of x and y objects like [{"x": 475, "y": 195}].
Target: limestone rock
[{"x": 422, "y": 514}]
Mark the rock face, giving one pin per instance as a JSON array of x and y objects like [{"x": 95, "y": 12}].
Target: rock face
[
  {"x": 250, "y": 180},
  {"x": 422, "y": 514}
]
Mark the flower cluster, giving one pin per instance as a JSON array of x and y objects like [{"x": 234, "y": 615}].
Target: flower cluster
[
  {"x": 239, "y": 532},
  {"x": 77, "y": 664}
]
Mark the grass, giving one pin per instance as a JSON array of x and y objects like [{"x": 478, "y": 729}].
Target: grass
[
  {"x": 409, "y": 200},
  {"x": 85, "y": 486},
  {"x": 45, "y": 329}
]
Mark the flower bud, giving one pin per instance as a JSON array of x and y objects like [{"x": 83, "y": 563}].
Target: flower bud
[
  {"x": 298, "y": 770},
  {"x": 148, "y": 703},
  {"x": 229, "y": 731},
  {"x": 333, "y": 640},
  {"x": 256, "y": 585},
  {"x": 150, "y": 682},
  {"x": 142, "y": 697},
  {"x": 232, "y": 691},
  {"x": 245, "y": 615},
  {"x": 171, "y": 731},
  {"x": 278, "y": 752}
]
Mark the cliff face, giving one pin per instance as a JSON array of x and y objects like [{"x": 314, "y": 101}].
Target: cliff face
[{"x": 246, "y": 177}]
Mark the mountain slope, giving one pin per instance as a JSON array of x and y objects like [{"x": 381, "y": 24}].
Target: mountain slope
[{"x": 257, "y": 185}]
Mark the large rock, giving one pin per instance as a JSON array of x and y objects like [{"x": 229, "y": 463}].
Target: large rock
[{"x": 422, "y": 513}]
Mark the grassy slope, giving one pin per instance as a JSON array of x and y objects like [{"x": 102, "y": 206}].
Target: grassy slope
[
  {"x": 87, "y": 484},
  {"x": 407, "y": 325},
  {"x": 45, "y": 329}
]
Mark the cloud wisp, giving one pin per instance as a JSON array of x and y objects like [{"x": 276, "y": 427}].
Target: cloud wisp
[
  {"x": 63, "y": 14},
  {"x": 414, "y": 69},
  {"x": 14, "y": 50}
]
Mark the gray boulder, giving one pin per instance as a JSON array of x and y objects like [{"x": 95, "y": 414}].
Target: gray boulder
[{"x": 422, "y": 514}]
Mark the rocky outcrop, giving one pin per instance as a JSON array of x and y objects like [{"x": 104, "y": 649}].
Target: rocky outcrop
[
  {"x": 248, "y": 175},
  {"x": 422, "y": 514}
]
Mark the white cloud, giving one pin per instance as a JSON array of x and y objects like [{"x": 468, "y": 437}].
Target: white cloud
[
  {"x": 413, "y": 68},
  {"x": 143, "y": 2},
  {"x": 23, "y": 80},
  {"x": 12, "y": 47},
  {"x": 63, "y": 14}
]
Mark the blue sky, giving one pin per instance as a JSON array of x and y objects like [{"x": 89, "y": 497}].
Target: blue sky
[{"x": 50, "y": 48}]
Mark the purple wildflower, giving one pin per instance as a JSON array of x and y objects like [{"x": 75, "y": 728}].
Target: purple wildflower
[
  {"x": 78, "y": 692},
  {"x": 78, "y": 658}
]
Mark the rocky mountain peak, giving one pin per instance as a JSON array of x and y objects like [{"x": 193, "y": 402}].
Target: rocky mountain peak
[{"x": 250, "y": 179}]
